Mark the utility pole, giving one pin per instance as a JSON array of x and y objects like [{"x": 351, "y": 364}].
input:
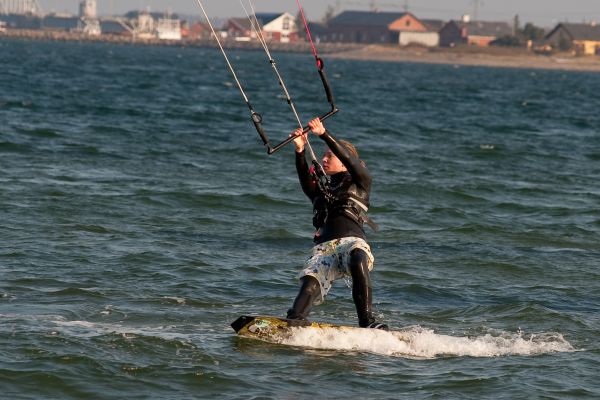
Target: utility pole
[
  {"x": 405, "y": 5},
  {"x": 476, "y": 4}
]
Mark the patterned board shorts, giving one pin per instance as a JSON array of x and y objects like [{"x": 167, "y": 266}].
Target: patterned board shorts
[{"x": 329, "y": 262}]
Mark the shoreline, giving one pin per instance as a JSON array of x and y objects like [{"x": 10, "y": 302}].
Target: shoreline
[
  {"x": 498, "y": 57},
  {"x": 478, "y": 57}
]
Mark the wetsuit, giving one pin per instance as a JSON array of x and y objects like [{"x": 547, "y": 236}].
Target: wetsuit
[
  {"x": 338, "y": 217},
  {"x": 340, "y": 240}
]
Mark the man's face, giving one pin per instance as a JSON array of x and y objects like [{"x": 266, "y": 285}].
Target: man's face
[{"x": 331, "y": 164}]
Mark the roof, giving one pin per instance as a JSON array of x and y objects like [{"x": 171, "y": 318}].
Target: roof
[
  {"x": 243, "y": 23},
  {"x": 486, "y": 28},
  {"x": 365, "y": 18},
  {"x": 66, "y": 23},
  {"x": 156, "y": 15},
  {"x": 433, "y": 25},
  {"x": 317, "y": 28},
  {"x": 265, "y": 18},
  {"x": 110, "y": 26},
  {"x": 580, "y": 31}
]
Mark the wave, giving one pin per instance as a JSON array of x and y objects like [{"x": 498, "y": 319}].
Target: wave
[{"x": 417, "y": 342}]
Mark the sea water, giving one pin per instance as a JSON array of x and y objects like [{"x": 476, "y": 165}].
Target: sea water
[{"x": 140, "y": 215}]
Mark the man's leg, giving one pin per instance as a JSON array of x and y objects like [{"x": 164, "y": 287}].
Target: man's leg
[
  {"x": 309, "y": 292},
  {"x": 361, "y": 289}
]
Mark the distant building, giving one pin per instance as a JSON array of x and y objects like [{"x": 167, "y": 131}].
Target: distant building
[
  {"x": 279, "y": 27},
  {"x": 88, "y": 18},
  {"x": 583, "y": 38},
  {"x": 380, "y": 27},
  {"x": 21, "y": 21},
  {"x": 420, "y": 32},
  {"x": 168, "y": 29},
  {"x": 473, "y": 33},
  {"x": 145, "y": 25},
  {"x": 60, "y": 22},
  {"x": 275, "y": 27},
  {"x": 240, "y": 29},
  {"x": 364, "y": 27},
  {"x": 433, "y": 25},
  {"x": 197, "y": 30},
  {"x": 113, "y": 27},
  {"x": 20, "y": 7},
  {"x": 318, "y": 31},
  {"x": 88, "y": 9}
]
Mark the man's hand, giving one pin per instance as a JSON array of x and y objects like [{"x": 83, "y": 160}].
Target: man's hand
[
  {"x": 299, "y": 140},
  {"x": 317, "y": 126}
]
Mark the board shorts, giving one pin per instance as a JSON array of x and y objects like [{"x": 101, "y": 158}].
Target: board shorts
[{"x": 329, "y": 262}]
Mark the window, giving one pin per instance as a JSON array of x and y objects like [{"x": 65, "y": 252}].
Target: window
[{"x": 286, "y": 24}]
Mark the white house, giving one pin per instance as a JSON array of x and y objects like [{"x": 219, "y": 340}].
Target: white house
[
  {"x": 279, "y": 27},
  {"x": 276, "y": 27}
]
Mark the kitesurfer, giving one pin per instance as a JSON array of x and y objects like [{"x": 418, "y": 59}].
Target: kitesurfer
[{"x": 340, "y": 200}]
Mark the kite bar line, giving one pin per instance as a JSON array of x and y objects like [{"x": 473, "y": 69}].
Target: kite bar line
[{"x": 256, "y": 117}]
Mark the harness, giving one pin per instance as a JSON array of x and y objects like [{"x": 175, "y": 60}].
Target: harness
[{"x": 348, "y": 202}]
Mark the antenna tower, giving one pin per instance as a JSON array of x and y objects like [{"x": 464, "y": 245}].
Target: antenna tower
[{"x": 476, "y": 5}]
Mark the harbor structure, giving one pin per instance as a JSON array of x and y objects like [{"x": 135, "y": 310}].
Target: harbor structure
[
  {"x": 21, "y": 14},
  {"x": 88, "y": 9},
  {"x": 151, "y": 25},
  {"x": 168, "y": 28},
  {"x": 20, "y": 7},
  {"x": 88, "y": 18}
]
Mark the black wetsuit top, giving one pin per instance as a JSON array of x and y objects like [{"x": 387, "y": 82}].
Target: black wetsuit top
[{"x": 336, "y": 225}]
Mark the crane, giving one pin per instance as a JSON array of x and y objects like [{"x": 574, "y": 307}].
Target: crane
[{"x": 21, "y": 7}]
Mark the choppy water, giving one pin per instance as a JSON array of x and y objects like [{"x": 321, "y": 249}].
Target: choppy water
[{"x": 140, "y": 215}]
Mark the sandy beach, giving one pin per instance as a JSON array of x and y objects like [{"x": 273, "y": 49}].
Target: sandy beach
[{"x": 489, "y": 57}]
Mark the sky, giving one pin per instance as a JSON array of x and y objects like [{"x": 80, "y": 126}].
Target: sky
[{"x": 544, "y": 13}]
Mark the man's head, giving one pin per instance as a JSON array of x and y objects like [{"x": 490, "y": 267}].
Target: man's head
[{"x": 331, "y": 164}]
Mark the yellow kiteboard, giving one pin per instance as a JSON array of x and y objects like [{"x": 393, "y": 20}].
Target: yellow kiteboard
[{"x": 275, "y": 329}]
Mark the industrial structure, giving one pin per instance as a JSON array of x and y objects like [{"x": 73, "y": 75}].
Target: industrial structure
[
  {"x": 20, "y": 7},
  {"x": 88, "y": 18}
]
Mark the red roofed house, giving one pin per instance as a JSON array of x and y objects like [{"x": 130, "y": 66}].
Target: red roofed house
[
  {"x": 368, "y": 27},
  {"x": 198, "y": 30}
]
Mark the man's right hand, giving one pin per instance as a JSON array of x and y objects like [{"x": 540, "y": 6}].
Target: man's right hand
[{"x": 299, "y": 140}]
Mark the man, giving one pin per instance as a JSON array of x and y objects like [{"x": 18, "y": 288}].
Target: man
[{"x": 340, "y": 203}]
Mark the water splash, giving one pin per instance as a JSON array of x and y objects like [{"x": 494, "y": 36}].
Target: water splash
[{"x": 416, "y": 342}]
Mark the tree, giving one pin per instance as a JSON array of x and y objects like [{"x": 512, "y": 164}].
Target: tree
[
  {"x": 521, "y": 36},
  {"x": 517, "y": 25},
  {"x": 300, "y": 26},
  {"x": 532, "y": 32},
  {"x": 329, "y": 13}
]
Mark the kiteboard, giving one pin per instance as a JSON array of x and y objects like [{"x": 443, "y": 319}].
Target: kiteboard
[{"x": 275, "y": 329}]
